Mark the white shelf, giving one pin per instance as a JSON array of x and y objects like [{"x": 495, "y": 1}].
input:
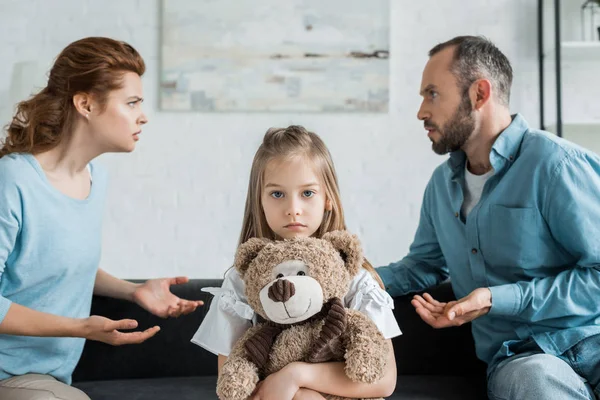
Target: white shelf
[
  {"x": 577, "y": 51},
  {"x": 578, "y": 128}
]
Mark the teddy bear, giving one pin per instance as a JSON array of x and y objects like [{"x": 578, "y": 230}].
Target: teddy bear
[{"x": 296, "y": 287}]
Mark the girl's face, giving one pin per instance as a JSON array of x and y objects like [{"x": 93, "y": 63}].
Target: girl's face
[
  {"x": 118, "y": 127},
  {"x": 293, "y": 197}
]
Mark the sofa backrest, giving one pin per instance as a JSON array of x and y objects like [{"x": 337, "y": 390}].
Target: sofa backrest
[
  {"x": 169, "y": 353},
  {"x": 423, "y": 350},
  {"x": 420, "y": 350}
]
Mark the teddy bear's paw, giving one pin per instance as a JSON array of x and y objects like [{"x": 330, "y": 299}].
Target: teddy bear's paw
[
  {"x": 234, "y": 389},
  {"x": 237, "y": 381},
  {"x": 365, "y": 367}
]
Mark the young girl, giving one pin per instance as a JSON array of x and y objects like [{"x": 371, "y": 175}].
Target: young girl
[
  {"x": 293, "y": 191},
  {"x": 51, "y": 206}
]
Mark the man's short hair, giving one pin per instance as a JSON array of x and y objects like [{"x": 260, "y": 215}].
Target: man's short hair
[{"x": 476, "y": 57}]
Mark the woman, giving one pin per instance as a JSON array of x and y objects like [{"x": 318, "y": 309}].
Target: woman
[{"x": 52, "y": 196}]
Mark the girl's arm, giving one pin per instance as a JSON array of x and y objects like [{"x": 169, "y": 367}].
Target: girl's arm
[
  {"x": 24, "y": 321},
  {"x": 220, "y": 361},
  {"x": 329, "y": 378}
]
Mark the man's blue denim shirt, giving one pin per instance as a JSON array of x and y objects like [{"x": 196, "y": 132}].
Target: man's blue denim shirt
[{"x": 533, "y": 239}]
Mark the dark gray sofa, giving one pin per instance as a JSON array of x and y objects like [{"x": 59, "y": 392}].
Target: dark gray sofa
[{"x": 432, "y": 364}]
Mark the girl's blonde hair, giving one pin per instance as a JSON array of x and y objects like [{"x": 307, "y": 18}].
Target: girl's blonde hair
[{"x": 285, "y": 143}]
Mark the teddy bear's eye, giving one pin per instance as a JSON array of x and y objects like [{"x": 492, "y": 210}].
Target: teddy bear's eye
[
  {"x": 279, "y": 276},
  {"x": 301, "y": 273}
]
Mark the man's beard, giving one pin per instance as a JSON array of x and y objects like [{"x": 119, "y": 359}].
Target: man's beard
[{"x": 457, "y": 131}]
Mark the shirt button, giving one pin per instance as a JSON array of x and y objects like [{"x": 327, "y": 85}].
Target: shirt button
[
  {"x": 456, "y": 214},
  {"x": 474, "y": 251}
]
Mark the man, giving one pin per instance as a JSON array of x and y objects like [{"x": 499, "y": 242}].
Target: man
[{"x": 513, "y": 218}]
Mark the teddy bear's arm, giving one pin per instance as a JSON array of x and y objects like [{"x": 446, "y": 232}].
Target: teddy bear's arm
[
  {"x": 239, "y": 376},
  {"x": 258, "y": 346},
  {"x": 366, "y": 349},
  {"x": 335, "y": 325}
]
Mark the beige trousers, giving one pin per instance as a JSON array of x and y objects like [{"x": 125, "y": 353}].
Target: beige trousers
[{"x": 38, "y": 387}]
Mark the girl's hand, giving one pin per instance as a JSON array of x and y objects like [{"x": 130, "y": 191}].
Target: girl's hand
[
  {"x": 281, "y": 385},
  {"x": 107, "y": 331}
]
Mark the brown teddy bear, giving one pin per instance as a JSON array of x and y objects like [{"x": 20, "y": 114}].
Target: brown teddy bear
[{"x": 297, "y": 287}]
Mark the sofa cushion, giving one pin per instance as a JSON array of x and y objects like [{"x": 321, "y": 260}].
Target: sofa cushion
[
  {"x": 430, "y": 387},
  {"x": 187, "y": 388},
  {"x": 414, "y": 387}
]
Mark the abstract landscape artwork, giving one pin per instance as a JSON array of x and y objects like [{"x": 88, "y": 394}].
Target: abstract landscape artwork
[{"x": 275, "y": 56}]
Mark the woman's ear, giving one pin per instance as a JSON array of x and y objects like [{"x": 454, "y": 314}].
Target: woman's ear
[
  {"x": 247, "y": 252},
  {"x": 83, "y": 104},
  {"x": 328, "y": 205}
]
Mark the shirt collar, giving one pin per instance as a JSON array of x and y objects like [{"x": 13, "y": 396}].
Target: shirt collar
[{"x": 506, "y": 145}]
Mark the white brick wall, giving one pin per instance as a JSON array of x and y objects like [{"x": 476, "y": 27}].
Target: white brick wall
[{"x": 176, "y": 203}]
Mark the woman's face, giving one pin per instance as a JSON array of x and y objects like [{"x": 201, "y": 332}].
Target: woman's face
[{"x": 118, "y": 127}]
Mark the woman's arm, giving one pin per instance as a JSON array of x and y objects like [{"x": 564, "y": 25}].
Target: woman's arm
[
  {"x": 110, "y": 286},
  {"x": 153, "y": 295},
  {"x": 24, "y": 321},
  {"x": 328, "y": 378}
]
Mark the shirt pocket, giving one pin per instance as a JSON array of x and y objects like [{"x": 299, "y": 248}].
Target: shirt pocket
[{"x": 514, "y": 237}]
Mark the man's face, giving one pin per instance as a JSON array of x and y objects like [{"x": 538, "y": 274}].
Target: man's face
[{"x": 446, "y": 111}]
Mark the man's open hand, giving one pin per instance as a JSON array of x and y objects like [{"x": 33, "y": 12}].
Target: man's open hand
[{"x": 454, "y": 313}]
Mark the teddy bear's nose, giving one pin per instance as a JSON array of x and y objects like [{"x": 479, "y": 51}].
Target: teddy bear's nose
[{"x": 282, "y": 290}]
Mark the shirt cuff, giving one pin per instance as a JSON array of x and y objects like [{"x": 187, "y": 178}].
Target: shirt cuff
[
  {"x": 4, "y": 306},
  {"x": 387, "y": 276},
  {"x": 211, "y": 349},
  {"x": 505, "y": 300},
  {"x": 388, "y": 326}
]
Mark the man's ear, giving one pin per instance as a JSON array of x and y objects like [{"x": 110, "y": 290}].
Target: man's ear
[
  {"x": 247, "y": 252},
  {"x": 349, "y": 248},
  {"x": 83, "y": 103},
  {"x": 480, "y": 93}
]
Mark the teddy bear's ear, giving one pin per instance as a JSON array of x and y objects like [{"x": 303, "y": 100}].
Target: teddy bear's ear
[
  {"x": 349, "y": 247},
  {"x": 247, "y": 252}
]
